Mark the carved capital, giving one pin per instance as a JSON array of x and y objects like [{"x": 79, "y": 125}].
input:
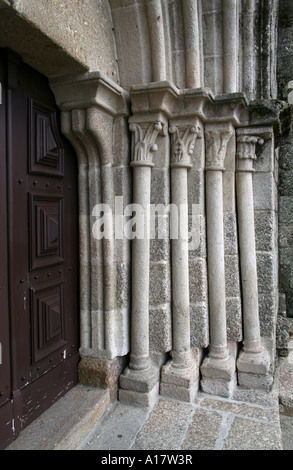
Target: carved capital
[
  {"x": 247, "y": 139},
  {"x": 183, "y": 141},
  {"x": 144, "y": 146},
  {"x": 216, "y": 139},
  {"x": 246, "y": 146}
]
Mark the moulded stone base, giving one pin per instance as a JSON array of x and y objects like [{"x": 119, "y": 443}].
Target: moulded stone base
[
  {"x": 178, "y": 392},
  {"x": 180, "y": 383},
  {"x": 254, "y": 363},
  {"x": 254, "y": 369},
  {"x": 218, "y": 376},
  {"x": 139, "y": 387},
  {"x": 131, "y": 397}
]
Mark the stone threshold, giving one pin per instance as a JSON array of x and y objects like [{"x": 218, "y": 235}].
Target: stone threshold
[{"x": 65, "y": 424}]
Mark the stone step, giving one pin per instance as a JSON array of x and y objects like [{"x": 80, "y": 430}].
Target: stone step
[{"x": 67, "y": 423}]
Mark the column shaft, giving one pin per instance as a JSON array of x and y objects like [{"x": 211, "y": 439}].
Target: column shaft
[
  {"x": 180, "y": 277},
  {"x": 248, "y": 261},
  {"x": 216, "y": 264},
  {"x": 139, "y": 382},
  {"x": 139, "y": 358},
  {"x": 179, "y": 378},
  {"x": 218, "y": 369},
  {"x": 253, "y": 362}
]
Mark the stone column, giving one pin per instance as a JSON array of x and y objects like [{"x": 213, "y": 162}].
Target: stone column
[
  {"x": 179, "y": 378},
  {"x": 218, "y": 369},
  {"x": 139, "y": 383},
  {"x": 253, "y": 359}
]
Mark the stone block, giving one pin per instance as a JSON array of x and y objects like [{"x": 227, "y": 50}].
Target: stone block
[
  {"x": 265, "y": 230},
  {"x": 286, "y": 157},
  {"x": 197, "y": 280},
  {"x": 121, "y": 146},
  {"x": 212, "y": 27},
  {"x": 223, "y": 369},
  {"x": 286, "y": 183},
  {"x": 96, "y": 328},
  {"x": 160, "y": 186},
  {"x": 122, "y": 178},
  {"x": 199, "y": 324},
  {"x": 181, "y": 384},
  {"x": 197, "y": 234},
  {"x": 123, "y": 277},
  {"x": 286, "y": 235},
  {"x": 285, "y": 209},
  {"x": 232, "y": 276},
  {"x": 101, "y": 373},
  {"x": 140, "y": 387},
  {"x": 234, "y": 319},
  {"x": 196, "y": 192},
  {"x": 264, "y": 191},
  {"x": 230, "y": 234},
  {"x": 131, "y": 397},
  {"x": 160, "y": 244},
  {"x": 218, "y": 376},
  {"x": 160, "y": 328},
  {"x": 167, "y": 415},
  {"x": 247, "y": 434},
  {"x": 266, "y": 272},
  {"x": 131, "y": 65},
  {"x": 252, "y": 363},
  {"x": 178, "y": 392},
  {"x": 229, "y": 204},
  {"x": 268, "y": 306},
  {"x": 257, "y": 381},
  {"x": 218, "y": 387},
  {"x": 286, "y": 256},
  {"x": 213, "y": 73},
  {"x": 160, "y": 278},
  {"x": 203, "y": 431},
  {"x": 142, "y": 381}
]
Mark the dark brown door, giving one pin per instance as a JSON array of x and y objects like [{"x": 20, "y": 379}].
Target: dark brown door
[{"x": 39, "y": 324}]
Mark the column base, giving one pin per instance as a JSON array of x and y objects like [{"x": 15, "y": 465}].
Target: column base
[
  {"x": 254, "y": 370},
  {"x": 139, "y": 387},
  {"x": 218, "y": 376},
  {"x": 180, "y": 383}
]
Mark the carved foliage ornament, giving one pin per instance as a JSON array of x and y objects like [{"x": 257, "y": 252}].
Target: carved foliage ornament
[
  {"x": 144, "y": 142},
  {"x": 246, "y": 146},
  {"x": 216, "y": 145},
  {"x": 183, "y": 142}
]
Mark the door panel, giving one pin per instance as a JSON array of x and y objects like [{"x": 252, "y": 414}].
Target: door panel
[{"x": 42, "y": 245}]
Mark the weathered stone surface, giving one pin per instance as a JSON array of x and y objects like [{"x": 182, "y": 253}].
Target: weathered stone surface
[
  {"x": 156, "y": 432},
  {"x": 101, "y": 373},
  {"x": 203, "y": 430}
]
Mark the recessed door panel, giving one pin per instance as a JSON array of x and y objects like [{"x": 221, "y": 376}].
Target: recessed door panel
[{"x": 46, "y": 235}]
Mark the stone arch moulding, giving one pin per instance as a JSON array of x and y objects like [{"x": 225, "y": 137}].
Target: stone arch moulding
[{"x": 91, "y": 106}]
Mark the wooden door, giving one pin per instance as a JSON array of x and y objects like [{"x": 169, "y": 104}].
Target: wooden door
[{"x": 42, "y": 246}]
